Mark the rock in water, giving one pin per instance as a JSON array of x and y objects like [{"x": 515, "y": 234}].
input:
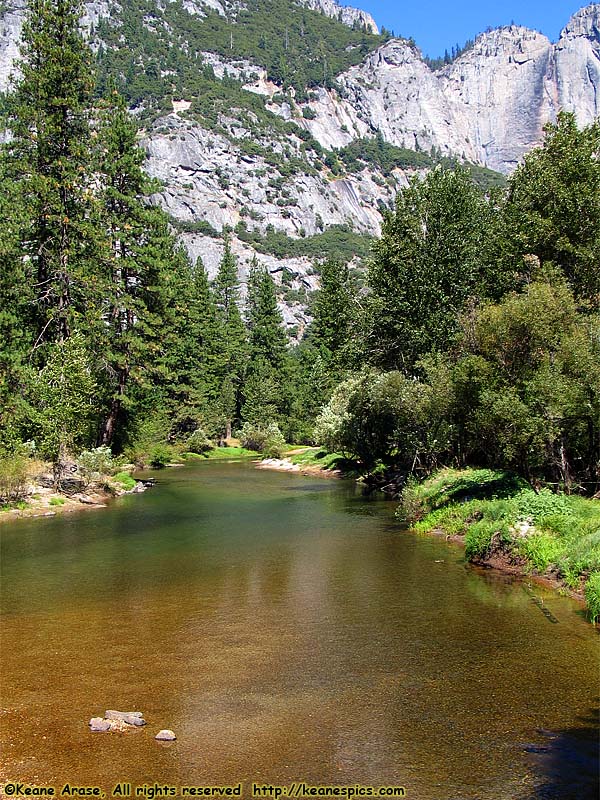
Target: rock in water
[
  {"x": 130, "y": 717},
  {"x": 97, "y": 724},
  {"x": 165, "y": 736}
]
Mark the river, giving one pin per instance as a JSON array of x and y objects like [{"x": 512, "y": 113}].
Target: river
[{"x": 287, "y": 629}]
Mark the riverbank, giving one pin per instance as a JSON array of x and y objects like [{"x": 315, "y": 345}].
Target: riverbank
[
  {"x": 504, "y": 524},
  {"x": 39, "y": 498},
  {"x": 311, "y": 461}
]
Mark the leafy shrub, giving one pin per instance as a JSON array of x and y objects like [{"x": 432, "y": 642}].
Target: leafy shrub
[
  {"x": 411, "y": 508},
  {"x": 481, "y": 537},
  {"x": 92, "y": 464},
  {"x": 160, "y": 456},
  {"x": 266, "y": 439},
  {"x": 199, "y": 442},
  {"x": 541, "y": 550},
  {"x": 13, "y": 477},
  {"x": 543, "y": 504}
]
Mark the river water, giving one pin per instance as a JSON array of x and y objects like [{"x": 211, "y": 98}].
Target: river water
[{"x": 287, "y": 629}]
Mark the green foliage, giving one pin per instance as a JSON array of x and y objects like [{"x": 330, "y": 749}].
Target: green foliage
[
  {"x": 480, "y": 538},
  {"x": 457, "y": 51},
  {"x": 553, "y": 208},
  {"x": 63, "y": 400},
  {"x": 375, "y": 152},
  {"x": 266, "y": 439},
  {"x": 267, "y": 337},
  {"x": 124, "y": 480},
  {"x": 592, "y": 596},
  {"x": 13, "y": 477},
  {"x": 160, "y": 456},
  {"x": 298, "y": 47},
  {"x": 432, "y": 259},
  {"x": 93, "y": 464},
  {"x": 198, "y": 442},
  {"x": 337, "y": 242},
  {"x": 333, "y": 316},
  {"x": 46, "y": 157},
  {"x": 230, "y": 452},
  {"x": 319, "y": 457},
  {"x": 57, "y": 501},
  {"x": 495, "y": 513}
]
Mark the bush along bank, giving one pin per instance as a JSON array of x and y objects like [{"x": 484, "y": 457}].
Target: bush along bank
[{"x": 506, "y": 524}]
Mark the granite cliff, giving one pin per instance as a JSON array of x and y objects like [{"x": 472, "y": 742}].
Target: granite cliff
[{"x": 269, "y": 156}]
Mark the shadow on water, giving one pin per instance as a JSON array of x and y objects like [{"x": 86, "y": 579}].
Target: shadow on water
[{"x": 567, "y": 762}]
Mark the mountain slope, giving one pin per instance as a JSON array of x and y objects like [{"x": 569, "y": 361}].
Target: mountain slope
[{"x": 283, "y": 119}]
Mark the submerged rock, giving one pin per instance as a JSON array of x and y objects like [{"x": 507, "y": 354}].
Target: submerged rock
[
  {"x": 99, "y": 725},
  {"x": 130, "y": 717},
  {"x": 165, "y": 736}
]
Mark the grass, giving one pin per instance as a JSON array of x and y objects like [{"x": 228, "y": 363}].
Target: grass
[
  {"x": 317, "y": 456},
  {"x": 497, "y": 511},
  {"x": 229, "y": 452},
  {"x": 57, "y": 501},
  {"x": 124, "y": 480}
]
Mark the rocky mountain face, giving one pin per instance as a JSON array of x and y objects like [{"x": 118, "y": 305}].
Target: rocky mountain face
[
  {"x": 489, "y": 106},
  {"x": 275, "y": 173}
]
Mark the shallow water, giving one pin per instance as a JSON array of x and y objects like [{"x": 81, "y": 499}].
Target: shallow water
[{"x": 287, "y": 630}]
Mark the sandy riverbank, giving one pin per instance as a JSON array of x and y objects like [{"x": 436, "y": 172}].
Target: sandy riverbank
[{"x": 286, "y": 465}]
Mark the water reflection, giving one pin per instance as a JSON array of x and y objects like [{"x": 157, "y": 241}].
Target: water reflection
[{"x": 286, "y": 633}]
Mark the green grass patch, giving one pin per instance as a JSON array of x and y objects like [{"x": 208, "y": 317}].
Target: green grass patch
[
  {"x": 124, "y": 480},
  {"x": 57, "y": 501},
  {"x": 318, "y": 457},
  {"x": 229, "y": 452},
  {"x": 592, "y": 596}
]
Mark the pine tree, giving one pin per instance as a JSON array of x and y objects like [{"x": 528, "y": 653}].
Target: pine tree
[
  {"x": 48, "y": 158},
  {"x": 235, "y": 348},
  {"x": 141, "y": 265},
  {"x": 267, "y": 337},
  {"x": 333, "y": 314},
  {"x": 16, "y": 333},
  {"x": 266, "y": 390}
]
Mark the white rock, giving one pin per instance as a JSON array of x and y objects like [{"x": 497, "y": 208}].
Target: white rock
[{"x": 165, "y": 736}]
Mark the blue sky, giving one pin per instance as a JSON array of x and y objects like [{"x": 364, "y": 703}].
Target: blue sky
[{"x": 439, "y": 24}]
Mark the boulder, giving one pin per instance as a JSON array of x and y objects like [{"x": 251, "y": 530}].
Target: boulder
[
  {"x": 97, "y": 724},
  {"x": 165, "y": 736},
  {"x": 130, "y": 717}
]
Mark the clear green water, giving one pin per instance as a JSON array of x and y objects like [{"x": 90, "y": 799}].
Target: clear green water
[{"x": 286, "y": 629}]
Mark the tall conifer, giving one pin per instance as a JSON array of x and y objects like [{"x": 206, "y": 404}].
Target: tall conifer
[{"x": 48, "y": 157}]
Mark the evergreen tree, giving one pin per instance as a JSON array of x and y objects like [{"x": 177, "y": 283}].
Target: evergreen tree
[
  {"x": 16, "y": 333},
  {"x": 267, "y": 337},
  {"x": 266, "y": 389},
  {"x": 48, "y": 158},
  {"x": 234, "y": 344},
  {"x": 141, "y": 268},
  {"x": 332, "y": 309}
]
